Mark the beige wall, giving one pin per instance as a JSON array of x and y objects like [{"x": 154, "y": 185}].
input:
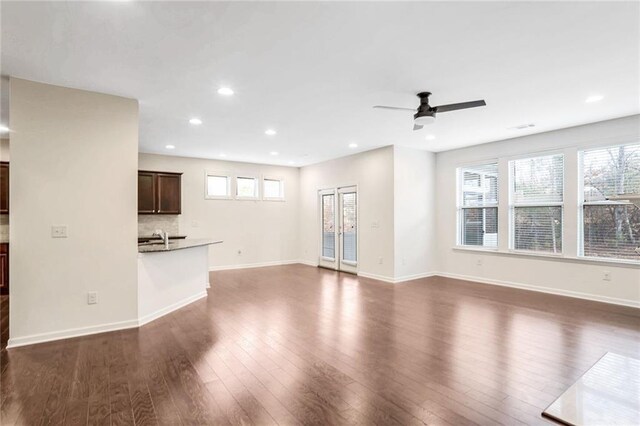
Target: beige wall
[
  {"x": 265, "y": 232},
  {"x": 567, "y": 275},
  {"x": 414, "y": 204},
  {"x": 4, "y": 150},
  {"x": 372, "y": 172},
  {"x": 73, "y": 162}
]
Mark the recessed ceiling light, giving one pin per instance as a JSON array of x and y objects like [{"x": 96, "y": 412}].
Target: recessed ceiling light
[
  {"x": 522, "y": 126},
  {"x": 222, "y": 154},
  {"x": 291, "y": 162},
  {"x": 195, "y": 121},
  {"x": 594, "y": 98},
  {"x": 170, "y": 146},
  {"x": 225, "y": 91},
  {"x": 430, "y": 137},
  {"x": 273, "y": 153},
  {"x": 3, "y": 128},
  {"x": 353, "y": 145},
  {"x": 270, "y": 132}
]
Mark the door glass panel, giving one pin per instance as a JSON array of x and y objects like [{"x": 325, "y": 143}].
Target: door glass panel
[
  {"x": 328, "y": 226},
  {"x": 349, "y": 227}
]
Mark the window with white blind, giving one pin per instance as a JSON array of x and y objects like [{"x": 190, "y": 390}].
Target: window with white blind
[
  {"x": 272, "y": 189},
  {"x": 218, "y": 186},
  {"x": 478, "y": 205},
  {"x": 536, "y": 203},
  {"x": 246, "y": 188},
  {"x": 610, "y": 202}
]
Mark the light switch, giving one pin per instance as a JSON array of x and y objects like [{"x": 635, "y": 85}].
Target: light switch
[{"x": 59, "y": 231}]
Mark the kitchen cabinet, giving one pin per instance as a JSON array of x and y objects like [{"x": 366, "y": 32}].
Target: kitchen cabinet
[
  {"x": 4, "y": 268},
  {"x": 159, "y": 192},
  {"x": 4, "y": 187}
]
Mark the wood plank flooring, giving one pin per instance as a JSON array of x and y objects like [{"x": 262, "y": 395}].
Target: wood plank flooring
[{"x": 302, "y": 345}]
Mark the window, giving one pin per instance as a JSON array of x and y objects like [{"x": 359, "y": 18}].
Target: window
[
  {"x": 478, "y": 205},
  {"x": 246, "y": 188},
  {"x": 328, "y": 230},
  {"x": 537, "y": 187},
  {"x": 610, "y": 202},
  {"x": 218, "y": 186},
  {"x": 272, "y": 189}
]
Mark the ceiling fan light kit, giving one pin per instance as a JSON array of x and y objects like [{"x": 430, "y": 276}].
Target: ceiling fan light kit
[{"x": 426, "y": 114}]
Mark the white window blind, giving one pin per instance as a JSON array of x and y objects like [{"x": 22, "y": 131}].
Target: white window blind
[
  {"x": 610, "y": 202},
  {"x": 218, "y": 186},
  {"x": 272, "y": 189},
  {"x": 478, "y": 205},
  {"x": 537, "y": 198},
  {"x": 246, "y": 187}
]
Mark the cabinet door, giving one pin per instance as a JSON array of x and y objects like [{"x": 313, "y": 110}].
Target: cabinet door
[
  {"x": 4, "y": 187},
  {"x": 4, "y": 268},
  {"x": 146, "y": 192},
  {"x": 169, "y": 198}
]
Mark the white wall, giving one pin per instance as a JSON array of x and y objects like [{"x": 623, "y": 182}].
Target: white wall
[
  {"x": 414, "y": 205},
  {"x": 73, "y": 162},
  {"x": 372, "y": 172},
  {"x": 565, "y": 276},
  {"x": 264, "y": 231}
]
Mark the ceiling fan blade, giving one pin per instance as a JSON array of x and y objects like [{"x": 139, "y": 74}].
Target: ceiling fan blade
[
  {"x": 397, "y": 108},
  {"x": 461, "y": 105},
  {"x": 417, "y": 127}
]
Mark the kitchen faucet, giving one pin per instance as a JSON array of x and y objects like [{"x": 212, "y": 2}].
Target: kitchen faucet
[{"x": 164, "y": 235}]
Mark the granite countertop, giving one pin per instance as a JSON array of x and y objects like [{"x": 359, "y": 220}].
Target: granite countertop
[
  {"x": 142, "y": 238},
  {"x": 156, "y": 247}
]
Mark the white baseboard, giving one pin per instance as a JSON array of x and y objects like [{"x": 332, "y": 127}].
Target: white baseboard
[
  {"x": 102, "y": 328},
  {"x": 376, "y": 277},
  {"x": 414, "y": 277},
  {"x": 396, "y": 280},
  {"x": 308, "y": 263},
  {"x": 253, "y": 265},
  {"x": 168, "y": 309},
  {"x": 548, "y": 290},
  {"x": 71, "y": 332}
]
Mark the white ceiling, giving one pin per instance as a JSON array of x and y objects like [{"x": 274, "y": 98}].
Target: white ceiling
[{"x": 312, "y": 71}]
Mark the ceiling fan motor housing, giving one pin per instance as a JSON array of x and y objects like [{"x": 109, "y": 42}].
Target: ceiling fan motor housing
[{"x": 426, "y": 114}]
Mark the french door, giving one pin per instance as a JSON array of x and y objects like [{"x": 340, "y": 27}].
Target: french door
[{"x": 339, "y": 228}]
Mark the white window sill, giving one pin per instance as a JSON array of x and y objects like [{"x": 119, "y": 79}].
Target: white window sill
[{"x": 553, "y": 257}]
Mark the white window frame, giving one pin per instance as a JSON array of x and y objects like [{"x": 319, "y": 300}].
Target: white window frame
[
  {"x": 513, "y": 204},
  {"x": 256, "y": 195},
  {"x": 212, "y": 173},
  {"x": 461, "y": 207},
  {"x": 282, "y": 188},
  {"x": 582, "y": 203}
]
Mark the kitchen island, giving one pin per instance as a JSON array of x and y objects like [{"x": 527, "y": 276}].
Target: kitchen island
[{"x": 171, "y": 277}]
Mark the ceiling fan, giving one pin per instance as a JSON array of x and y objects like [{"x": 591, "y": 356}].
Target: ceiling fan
[{"x": 426, "y": 114}]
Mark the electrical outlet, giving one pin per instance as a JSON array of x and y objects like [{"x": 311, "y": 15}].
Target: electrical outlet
[
  {"x": 479, "y": 262},
  {"x": 380, "y": 260},
  {"x": 606, "y": 276},
  {"x": 195, "y": 224},
  {"x": 375, "y": 224},
  {"x": 59, "y": 231},
  {"x": 92, "y": 298},
  {"x": 239, "y": 252}
]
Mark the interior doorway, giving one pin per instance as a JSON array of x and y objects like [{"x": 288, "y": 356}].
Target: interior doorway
[{"x": 339, "y": 228}]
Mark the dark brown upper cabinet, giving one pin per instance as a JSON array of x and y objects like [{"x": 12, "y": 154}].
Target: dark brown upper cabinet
[
  {"x": 159, "y": 192},
  {"x": 4, "y": 187}
]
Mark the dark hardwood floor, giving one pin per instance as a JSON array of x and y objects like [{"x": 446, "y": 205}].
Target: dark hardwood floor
[{"x": 302, "y": 345}]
